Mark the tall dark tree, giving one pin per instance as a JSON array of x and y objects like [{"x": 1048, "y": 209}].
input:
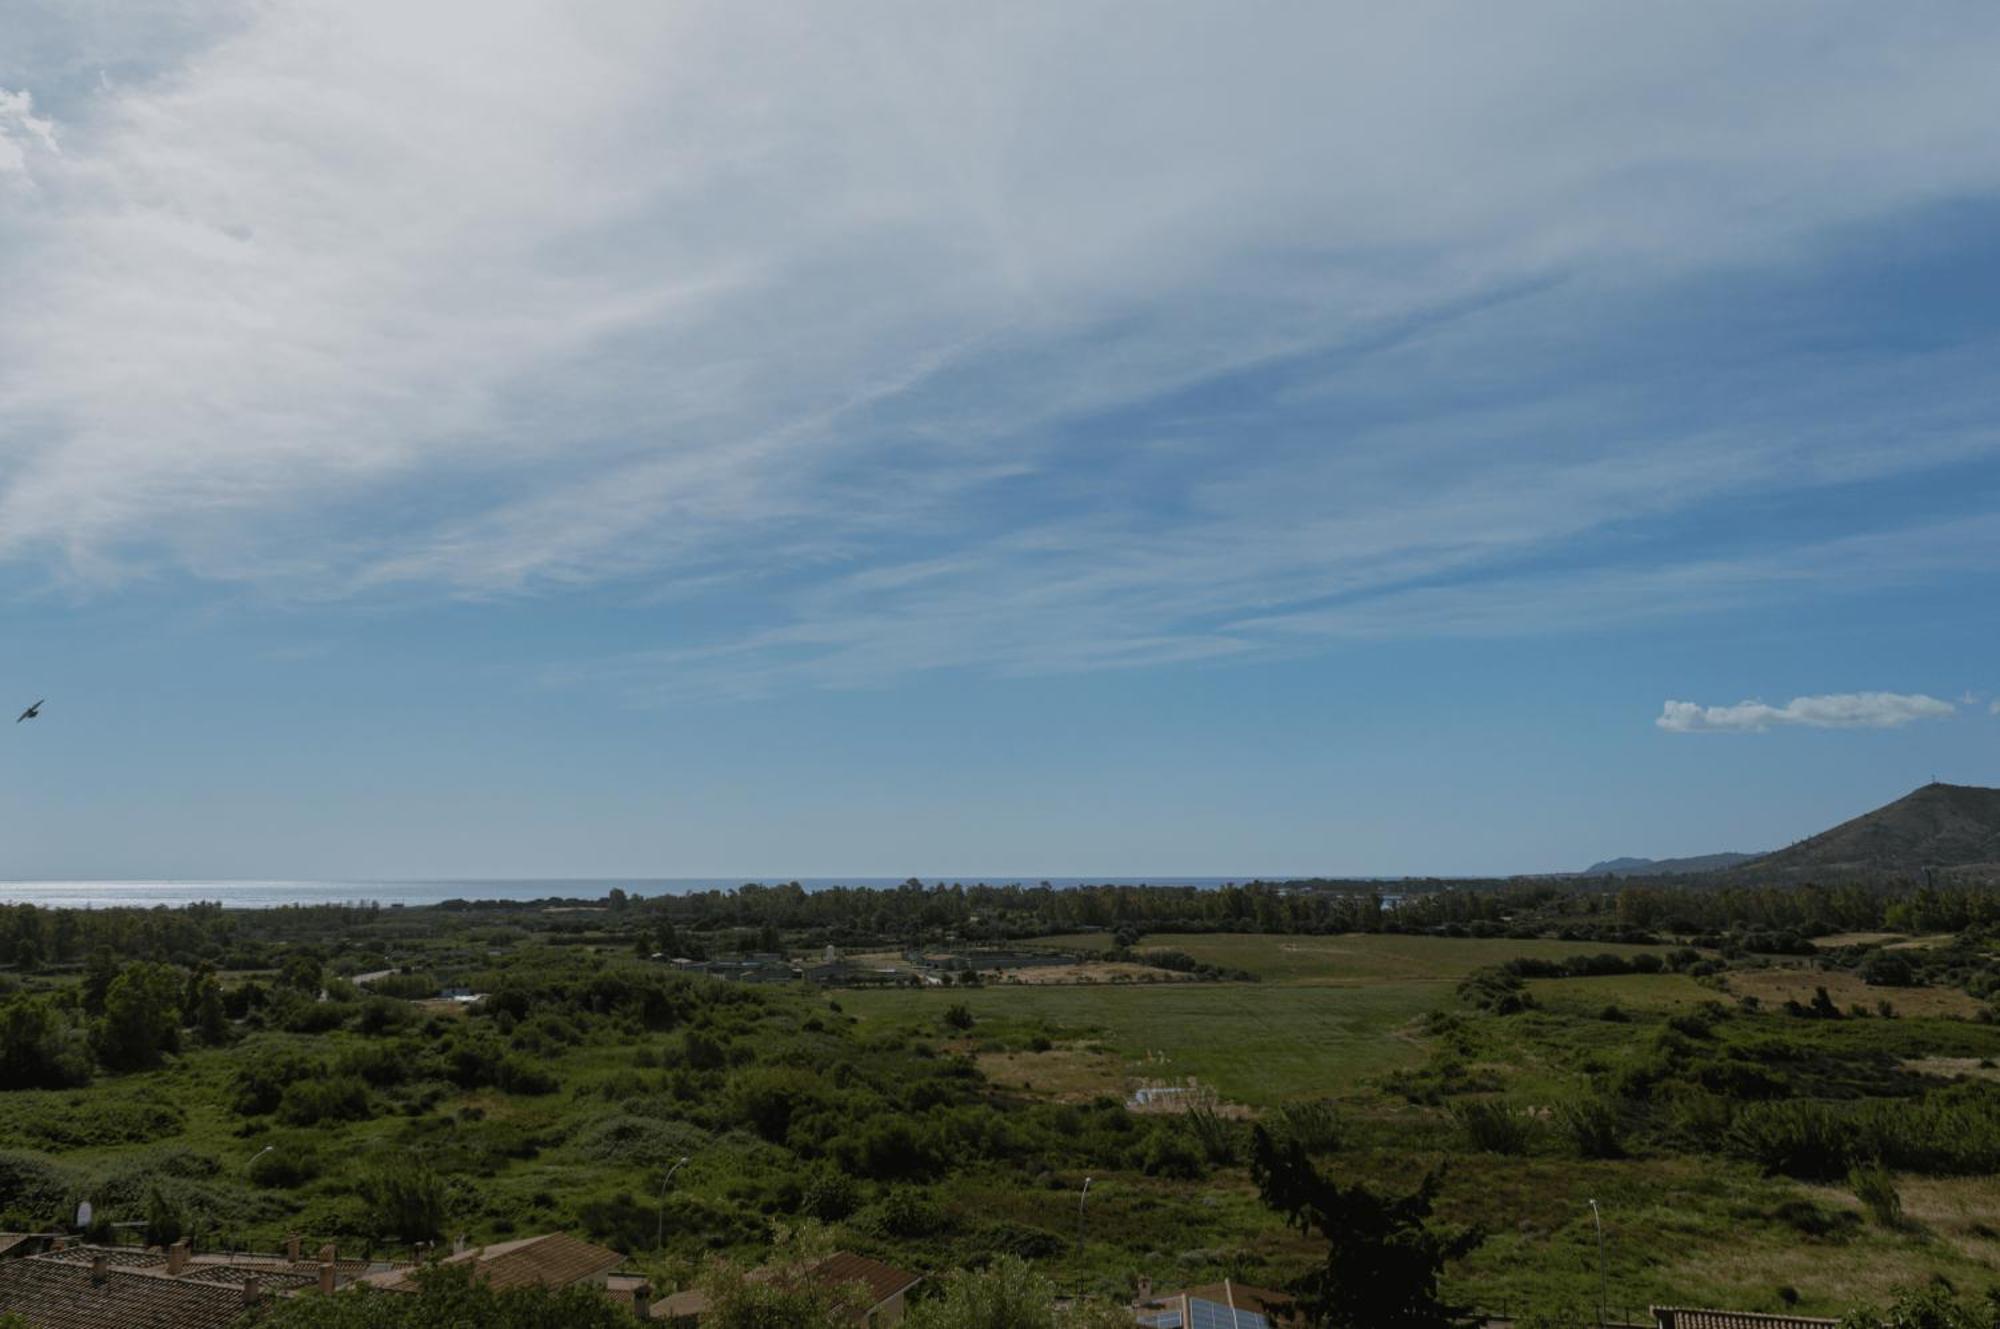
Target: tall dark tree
[
  {"x": 142, "y": 1017},
  {"x": 1384, "y": 1254}
]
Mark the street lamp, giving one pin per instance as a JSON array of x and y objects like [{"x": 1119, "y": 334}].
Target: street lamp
[
  {"x": 1597, "y": 1219},
  {"x": 660, "y": 1228},
  {"x": 1079, "y": 1236}
]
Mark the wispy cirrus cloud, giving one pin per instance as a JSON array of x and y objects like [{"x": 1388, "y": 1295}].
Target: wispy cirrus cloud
[
  {"x": 1837, "y": 710},
  {"x": 966, "y": 337}
]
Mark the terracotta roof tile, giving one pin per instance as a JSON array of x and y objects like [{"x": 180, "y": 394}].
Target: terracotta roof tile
[
  {"x": 1682, "y": 1317},
  {"x": 59, "y": 1294},
  {"x": 554, "y": 1259},
  {"x": 883, "y": 1281}
]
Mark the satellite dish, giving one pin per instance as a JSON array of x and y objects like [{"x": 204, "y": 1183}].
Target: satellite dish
[{"x": 83, "y": 1215}]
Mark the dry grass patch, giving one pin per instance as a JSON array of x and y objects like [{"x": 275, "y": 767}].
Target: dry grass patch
[
  {"x": 1951, "y": 1068},
  {"x": 1830, "y": 1280},
  {"x": 1067, "y": 1074},
  {"x": 1840, "y": 939},
  {"x": 1774, "y": 987},
  {"x": 1960, "y": 1212},
  {"x": 1100, "y": 971}
]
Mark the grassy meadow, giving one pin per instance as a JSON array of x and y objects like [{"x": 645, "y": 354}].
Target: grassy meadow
[
  {"x": 1372, "y": 1023},
  {"x": 936, "y": 1125}
]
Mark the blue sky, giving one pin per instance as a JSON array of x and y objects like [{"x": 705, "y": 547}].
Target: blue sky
[{"x": 517, "y": 439}]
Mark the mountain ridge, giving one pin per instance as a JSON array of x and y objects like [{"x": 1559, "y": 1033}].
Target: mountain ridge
[
  {"x": 1934, "y": 826},
  {"x": 1666, "y": 867}
]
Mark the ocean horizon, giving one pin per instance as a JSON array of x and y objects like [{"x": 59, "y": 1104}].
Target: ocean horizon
[{"x": 271, "y": 894}]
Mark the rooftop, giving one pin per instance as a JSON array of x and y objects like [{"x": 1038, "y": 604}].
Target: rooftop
[
  {"x": 60, "y": 1294},
  {"x": 1683, "y": 1317},
  {"x": 554, "y": 1259}
]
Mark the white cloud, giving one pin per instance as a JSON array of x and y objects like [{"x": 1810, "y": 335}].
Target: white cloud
[
  {"x": 507, "y": 297},
  {"x": 1837, "y": 710},
  {"x": 22, "y": 132}
]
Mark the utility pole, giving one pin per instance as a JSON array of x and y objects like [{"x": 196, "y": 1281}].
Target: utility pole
[
  {"x": 660, "y": 1222},
  {"x": 1597, "y": 1218},
  {"x": 1079, "y": 1237}
]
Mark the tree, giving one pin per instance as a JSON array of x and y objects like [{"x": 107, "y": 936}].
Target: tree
[
  {"x": 42, "y": 1046},
  {"x": 211, "y": 1017},
  {"x": 166, "y": 1222},
  {"x": 142, "y": 1017},
  {"x": 303, "y": 971},
  {"x": 98, "y": 977},
  {"x": 1007, "y": 1294},
  {"x": 785, "y": 1294},
  {"x": 1931, "y": 1307},
  {"x": 1383, "y": 1254},
  {"x": 1887, "y": 969},
  {"x": 447, "y": 1297},
  {"x": 406, "y": 1202}
]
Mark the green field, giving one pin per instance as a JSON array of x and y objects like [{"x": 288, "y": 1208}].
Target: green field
[
  {"x": 933, "y": 1140},
  {"x": 1345, "y": 1018},
  {"x": 1256, "y": 1043},
  {"x": 1329, "y": 1013}
]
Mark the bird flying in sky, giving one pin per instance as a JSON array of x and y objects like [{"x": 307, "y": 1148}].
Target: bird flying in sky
[{"x": 33, "y": 712}]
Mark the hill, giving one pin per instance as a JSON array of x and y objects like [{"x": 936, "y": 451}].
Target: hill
[
  {"x": 1664, "y": 867},
  {"x": 1938, "y": 826}
]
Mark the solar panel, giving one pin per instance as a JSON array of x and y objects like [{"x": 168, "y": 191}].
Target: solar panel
[{"x": 1215, "y": 1315}]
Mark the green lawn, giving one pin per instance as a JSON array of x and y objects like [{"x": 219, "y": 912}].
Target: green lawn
[
  {"x": 1256, "y": 1043},
  {"x": 1330, "y": 1012},
  {"x": 1367, "y": 958}
]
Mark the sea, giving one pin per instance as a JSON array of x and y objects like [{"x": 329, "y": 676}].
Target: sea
[{"x": 274, "y": 894}]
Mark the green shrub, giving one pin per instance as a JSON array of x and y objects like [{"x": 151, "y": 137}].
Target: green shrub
[
  {"x": 1219, "y": 1138},
  {"x": 33, "y": 1190},
  {"x": 405, "y": 1201},
  {"x": 285, "y": 1167},
  {"x": 1491, "y": 1126},
  {"x": 42, "y": 1045},
  {"x": 1886, "y": 968},
  {"x": 1314, "y": 1125},
  {"x": 1594, "y": 1126},
  {"x": 1876, "y": 1190},
  {"x": 636, "y": 1140},
  {"x": 263, "y": 1072},
  {"x": 332, "y": 1098},
  {"x": 450, "y": 1295},
  {"x": 830, "y": 1195},
  {"x": 904, "y": 1211},
  {"x": 1808, "y": 1140},
  {"x": 166, "y": 1221},
  {"x": 1173, "y": 1153},
  {"x": 521, "y": 1075}
]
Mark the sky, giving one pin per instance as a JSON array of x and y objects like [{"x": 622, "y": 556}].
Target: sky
[{"x": 680, "y": 439}]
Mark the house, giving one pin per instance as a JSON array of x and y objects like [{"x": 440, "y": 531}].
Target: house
[
  {"x": 1223, "y": 1305},
  {"x": 61, "y": 1294},
  {"x": 1682, "y": 1317},
  {"x": 554, "y": 1259},
  {"x": 886, "y": 1288},
  {"x": 54, "y": 1285}
]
